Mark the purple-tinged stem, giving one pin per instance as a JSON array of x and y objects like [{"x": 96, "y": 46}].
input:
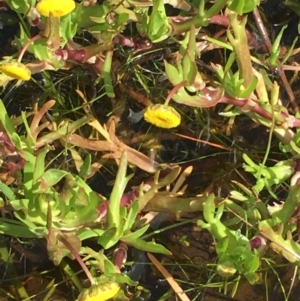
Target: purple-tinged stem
[
  {"x": 174, "y": 90},
  {"x": 257, "y": 109},
  {"x": 78, "y": 258},
  {"x": 27, "y": 45}
]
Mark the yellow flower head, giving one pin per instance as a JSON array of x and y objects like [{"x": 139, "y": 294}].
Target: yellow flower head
[
  {"x": 101, "y": 292},
  {"x": 163, "y": 116},
  {"x": 58, "y": 8},
  {"x": 16, "y": 70}
]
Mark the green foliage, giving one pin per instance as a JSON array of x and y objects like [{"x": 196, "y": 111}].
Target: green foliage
[
  {"x": 21, "y": 6},
  {"x": 243, "y": 6},
  {"x": 156, "y": 26},
  {"x": 185, "y": 76},
  {"x": 56, "y": 204},
  {"x": 268, "y": 176},
  {"x": 233, "y": 84},
  {"x": 278, "y": 229},
  {"x": 60, "y": 207},
  {"x": 233, "y": 248}
]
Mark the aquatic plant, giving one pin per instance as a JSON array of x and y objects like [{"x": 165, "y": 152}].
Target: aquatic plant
[{"x": 58, "y": 204}]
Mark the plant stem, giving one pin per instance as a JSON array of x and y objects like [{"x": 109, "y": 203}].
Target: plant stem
[
  {"x": 218, "y": 5},
  {"x": 197, "y": 21},
  {"x": 239, "y": 43},
  {"x": 265, "y": 35},
  {"x": 27, "y": 45},
  {"x": 78, "y": 258},
  {"x": 174, "y": 90}
]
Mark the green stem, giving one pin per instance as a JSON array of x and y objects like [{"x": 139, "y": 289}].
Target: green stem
[
  {"x": 240, "y": 45},
  {"x": 219, "y": 4},
  {"x": 106, "y": 73},
  {"x": 181, "y": 27},
  {"x": 68, "y": 270},
  {"x": 197, "y": 21}
]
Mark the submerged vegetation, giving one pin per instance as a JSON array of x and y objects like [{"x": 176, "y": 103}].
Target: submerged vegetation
[{"x": 145, "y": 141}]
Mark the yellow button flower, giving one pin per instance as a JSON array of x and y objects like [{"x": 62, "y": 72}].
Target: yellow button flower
[
  {"x": 58, "y": 8},
  {"x": 163, "y": 116},
  {"x": 101, "y": 292},
  {"x": 16, "y": 70}
]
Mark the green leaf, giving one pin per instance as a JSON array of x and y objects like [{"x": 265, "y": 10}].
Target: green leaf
[
  {"x": 230, "y": 61},
  {"x": 106, "y": 70},
  {"x": 157, "y": 25},
  {"x": 122, "y": 18},
  {"x": 152, "y": 247},
  {"x": 209, "y": 208},
  {"x": 243, "y": 6},
  {"x": 51, "y": 177},
  {"x": 248, "y": 90},
  {"x": 275, "y": 52},
  {"x": 188, "y": 62},
  {"x": 7, "y": 191},
  {"x": 16, "y": 229},
  {"x": 123, "y": 278},
  {"x": 113, "y": 214},
  {"x": 288, "y": 248},
  {"x": 222, "y": 245},
  {"x": 67, "y": 29},
  {"x": 85, "y": 167},
  {"x": 28, "y": 174},
  {"x": 290, "y": 50},
  {"x": 39, "y": 167},
  {"x": 107, "y": 237},
  {"x": 21, "y": 6},
  {"x": 30, "y": 142},
  {"x": 174, "y": 75},
  {"x": 120, "y": 227},
  {"x": 85, "y": 233},
  {"x": 109, "y": 267},
  {"x": 132, "y": 215},
  {"x": 26, "y": 212},
  {"x": 136, "y": 234},
  {"x": 9, "y": 127},
  {"x": 86, "y": 16}
]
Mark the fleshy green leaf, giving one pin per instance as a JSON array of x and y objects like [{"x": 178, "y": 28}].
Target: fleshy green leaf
[{"x": 152, "y": 247}]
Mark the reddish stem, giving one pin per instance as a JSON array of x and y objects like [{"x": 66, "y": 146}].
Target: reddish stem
[
  {"x": 174, "y": 90},
  {"x": 78, "y": 258},
  {"x": 27, "y": 45},
  {"x": 256, "y": 109}
]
